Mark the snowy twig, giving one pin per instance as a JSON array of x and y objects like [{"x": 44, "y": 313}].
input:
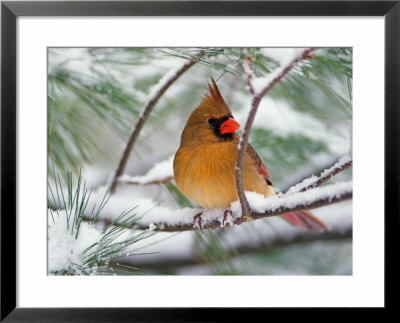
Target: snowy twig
[
  {"x": 155, "y": 182},
  {"x": 254, "y": 106},
  {"x": 161, "y": 173},
  {"x": 261, "y": 208},
  {"x": 160, "y": 90},
  {"x": 343, "y": 163},
  {"x": 217, "y": 222},
  {"x": 314, "y": 181}
]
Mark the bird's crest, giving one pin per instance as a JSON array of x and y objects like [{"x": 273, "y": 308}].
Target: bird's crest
[
  {"x": 214, "y": 92},
  {"x": 213, "y": 103}
]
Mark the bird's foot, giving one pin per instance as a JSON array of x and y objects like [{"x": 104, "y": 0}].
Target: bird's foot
[
  {"x": 227, "y": 213},
  {"x": 197, "y": 218}
]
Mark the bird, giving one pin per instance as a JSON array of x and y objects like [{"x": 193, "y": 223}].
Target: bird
[{"x": 204, "y": 165}]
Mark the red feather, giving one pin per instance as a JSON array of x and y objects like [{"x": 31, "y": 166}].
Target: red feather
[
  {"x": 307, "y": 221},
  {"x": 262, "y": 169}
]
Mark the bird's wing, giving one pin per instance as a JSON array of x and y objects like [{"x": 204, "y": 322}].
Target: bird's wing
[
  {"x": 261, "y": 168},
  {"x": 304, "y": 220}
]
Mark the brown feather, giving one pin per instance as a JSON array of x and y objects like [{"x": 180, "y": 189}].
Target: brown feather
[{"x": 215, "y": 93}]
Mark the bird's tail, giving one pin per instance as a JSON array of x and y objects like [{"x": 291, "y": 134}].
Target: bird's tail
[{"x": 307, "y": 221}]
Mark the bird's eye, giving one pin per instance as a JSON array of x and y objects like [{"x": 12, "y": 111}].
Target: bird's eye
[{"x": 212, "y": 121}]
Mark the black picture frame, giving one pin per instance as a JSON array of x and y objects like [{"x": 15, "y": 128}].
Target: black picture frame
[{"x": 10, "y": 11}]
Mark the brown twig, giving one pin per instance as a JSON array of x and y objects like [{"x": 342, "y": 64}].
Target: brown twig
[
  {"x": 143, "y": 116},
  {"x": 245, "y": 137},
  {"x": 331, "y": 171},
  {"x": 312, "y": 181},
  {"x": 298, "y": 181},
  {"x": 249, "y": 72}
]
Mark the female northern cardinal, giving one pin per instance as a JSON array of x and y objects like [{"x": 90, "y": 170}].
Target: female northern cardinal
[{"x": 204, "y": 165}]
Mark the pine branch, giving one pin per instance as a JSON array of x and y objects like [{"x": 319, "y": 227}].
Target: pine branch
[
  {"x": 246, "y": 134},
  {"x": 218, "y": 222},
  {"x": 247, "y": 248},
  {"x": 77, "y": 248},
  {"x": 144, "y": 115}
]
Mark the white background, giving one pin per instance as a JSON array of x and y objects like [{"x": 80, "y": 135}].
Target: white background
[{"x": 364, "y": 288}]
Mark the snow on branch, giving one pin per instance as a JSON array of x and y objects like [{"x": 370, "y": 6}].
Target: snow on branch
[
  {"x": 261, "y": 207},
  {"x": 158, "y": 90},
  {"x": 274, "y": 78},
  {"x": 284, "y": 203},
  {"x": 160, "y": 173},
  {"x": 314, "y": 181}
]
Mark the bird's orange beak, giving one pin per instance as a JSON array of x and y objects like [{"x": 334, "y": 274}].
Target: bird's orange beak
[{"x": 229, "y": 126}]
